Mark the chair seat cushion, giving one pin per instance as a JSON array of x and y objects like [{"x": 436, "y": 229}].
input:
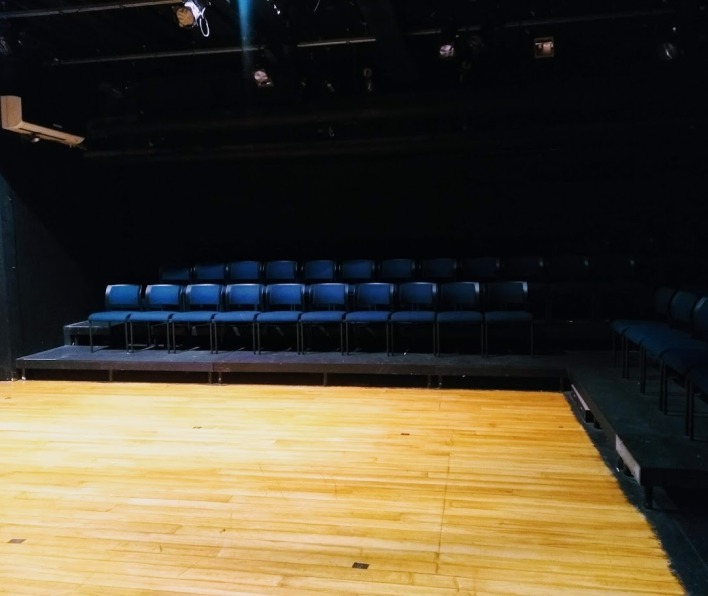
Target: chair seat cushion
[
  {"x": 460, "y": 316},
  {"x": 113, "y": 316},
  {"x": 201, "y": 316},
  {"x": 501, "y": 317},
  {"x": 323, "y": 316},
  {"x": 622, "y": 325},
  {"x": 638, "y": 331},
  {"x": 276, "y": 317},
  {"x": 154, "y": 316},
  {"x": 656, "y": 345},
  {"x": 413, "y": 316},
  {"x": 236, "y": 316},
  {"x": 367, "y": 316},
  {"x": 682, "y": 360}
]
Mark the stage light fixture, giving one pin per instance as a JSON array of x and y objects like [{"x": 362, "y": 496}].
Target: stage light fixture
[
  {"x": 5, "y": 47},
  {"x": 447, "y": 51},
  {"x": 275, "y": 7},
  {"x": 368, "y": 73},
  {"x": 191, "y": 14},
  {"x": 262, "y": 78},
  {"x": 544, "y": 47},
  {"x": 668, "y": 51}
]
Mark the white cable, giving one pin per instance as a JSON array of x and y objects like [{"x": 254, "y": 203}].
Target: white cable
[{"x": 204, "y": 26}]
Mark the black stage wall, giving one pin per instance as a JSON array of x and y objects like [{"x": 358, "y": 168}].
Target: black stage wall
[
  {"x": 9, "y": 303},
  {"x": 71, "y": 224},
  {"x": 43, "y": 284}
]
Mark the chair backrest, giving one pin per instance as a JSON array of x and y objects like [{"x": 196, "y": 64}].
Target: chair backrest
[
  {"x": 375, "y": 295},
  {"x": 440, "y": 269},
  {"x": 203, "y": 296},
  {"x": 681, "y": 308},
  {"x": 123, "y": 297},
  {"x": 417, "y": 295},
  {"x": 280, "y": 271},
  {"x": 175, "y": 274},
  {"x": 209, "y": 273},
  {"x": 319, "y": 270},
  {"x": 328, "y": 296},
  {"x": 397, "y": 270},
  {"x": 459, "y": 295},
  {"x": 700, "y": 318},
  {"x": 480, "y": 268},
  {"x": 164, "y": 297},
  {"x": 357, "y": 270},
  {"x": 245, "y": 271},
  {"x": 244, "y": 296},
  {"x": 506, "y": 295},
  {"x": 526, "y": 267},
  {"x": 285, "y": 296}
]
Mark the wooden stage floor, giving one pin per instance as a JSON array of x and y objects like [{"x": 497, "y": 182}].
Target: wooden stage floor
[
  {"x": 661, "y": 470},
  {"x": 164, "y": 489}
]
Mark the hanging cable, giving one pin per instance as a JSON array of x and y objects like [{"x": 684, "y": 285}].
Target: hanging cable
[{"x": 204, "y": 25}]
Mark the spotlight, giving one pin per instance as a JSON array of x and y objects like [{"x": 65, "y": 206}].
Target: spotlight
[
  {"x": 5, "y": 47},
  {"x": 368, "y": 79},
  {"x": 544, "y": 47},
  {"x": 191, "y": 14},
  {"x": 262, "y": 78},
  {"x": 275, "y": 7},
  {"x": 447, "y": 51},
  {"x": 668, "y": 51}
]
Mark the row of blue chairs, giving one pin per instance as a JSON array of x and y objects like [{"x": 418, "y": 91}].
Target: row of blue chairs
[
  {"x": 560, "y": 287},
  {"x": 302, "y": 307},
  {"x": 479, "y": 268},
  {"x": 675, "y": 340}
]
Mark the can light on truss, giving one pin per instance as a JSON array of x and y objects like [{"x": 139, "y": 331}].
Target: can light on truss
[
  {"x": 447, "y": 51},
  {"x": 191, "y": 14},
  {"x": 262, "y": 78},
  {"x": 275, "y": 7},
  {"x": 544, "y": 47}
]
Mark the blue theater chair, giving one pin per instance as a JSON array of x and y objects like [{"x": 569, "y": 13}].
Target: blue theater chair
[
  {"x": 242, "y": 303},
  {"x": 201, "y": 303},
  {"x": 160, "y": 303},
  {"x": 327, "y": 304},
  {"x": 284, "y": 303},
  {"x": 373, "y": 304},
  {"x": 459, "y": 311},
  {"x": 120, "y": 301},
  {"x": 416, "y": 307}
]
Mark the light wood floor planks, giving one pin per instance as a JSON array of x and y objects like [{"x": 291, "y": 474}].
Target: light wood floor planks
[{"x": 126, "y": 489}]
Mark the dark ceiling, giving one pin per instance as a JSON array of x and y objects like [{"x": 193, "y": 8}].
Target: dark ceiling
[{"x": 135, "y": 84}]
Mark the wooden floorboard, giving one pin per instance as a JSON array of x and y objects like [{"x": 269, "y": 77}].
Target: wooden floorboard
[{"x": 160, "y": 488}]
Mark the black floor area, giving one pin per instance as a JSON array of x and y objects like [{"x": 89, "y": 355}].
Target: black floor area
[{"x": 662, "y": 472}]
